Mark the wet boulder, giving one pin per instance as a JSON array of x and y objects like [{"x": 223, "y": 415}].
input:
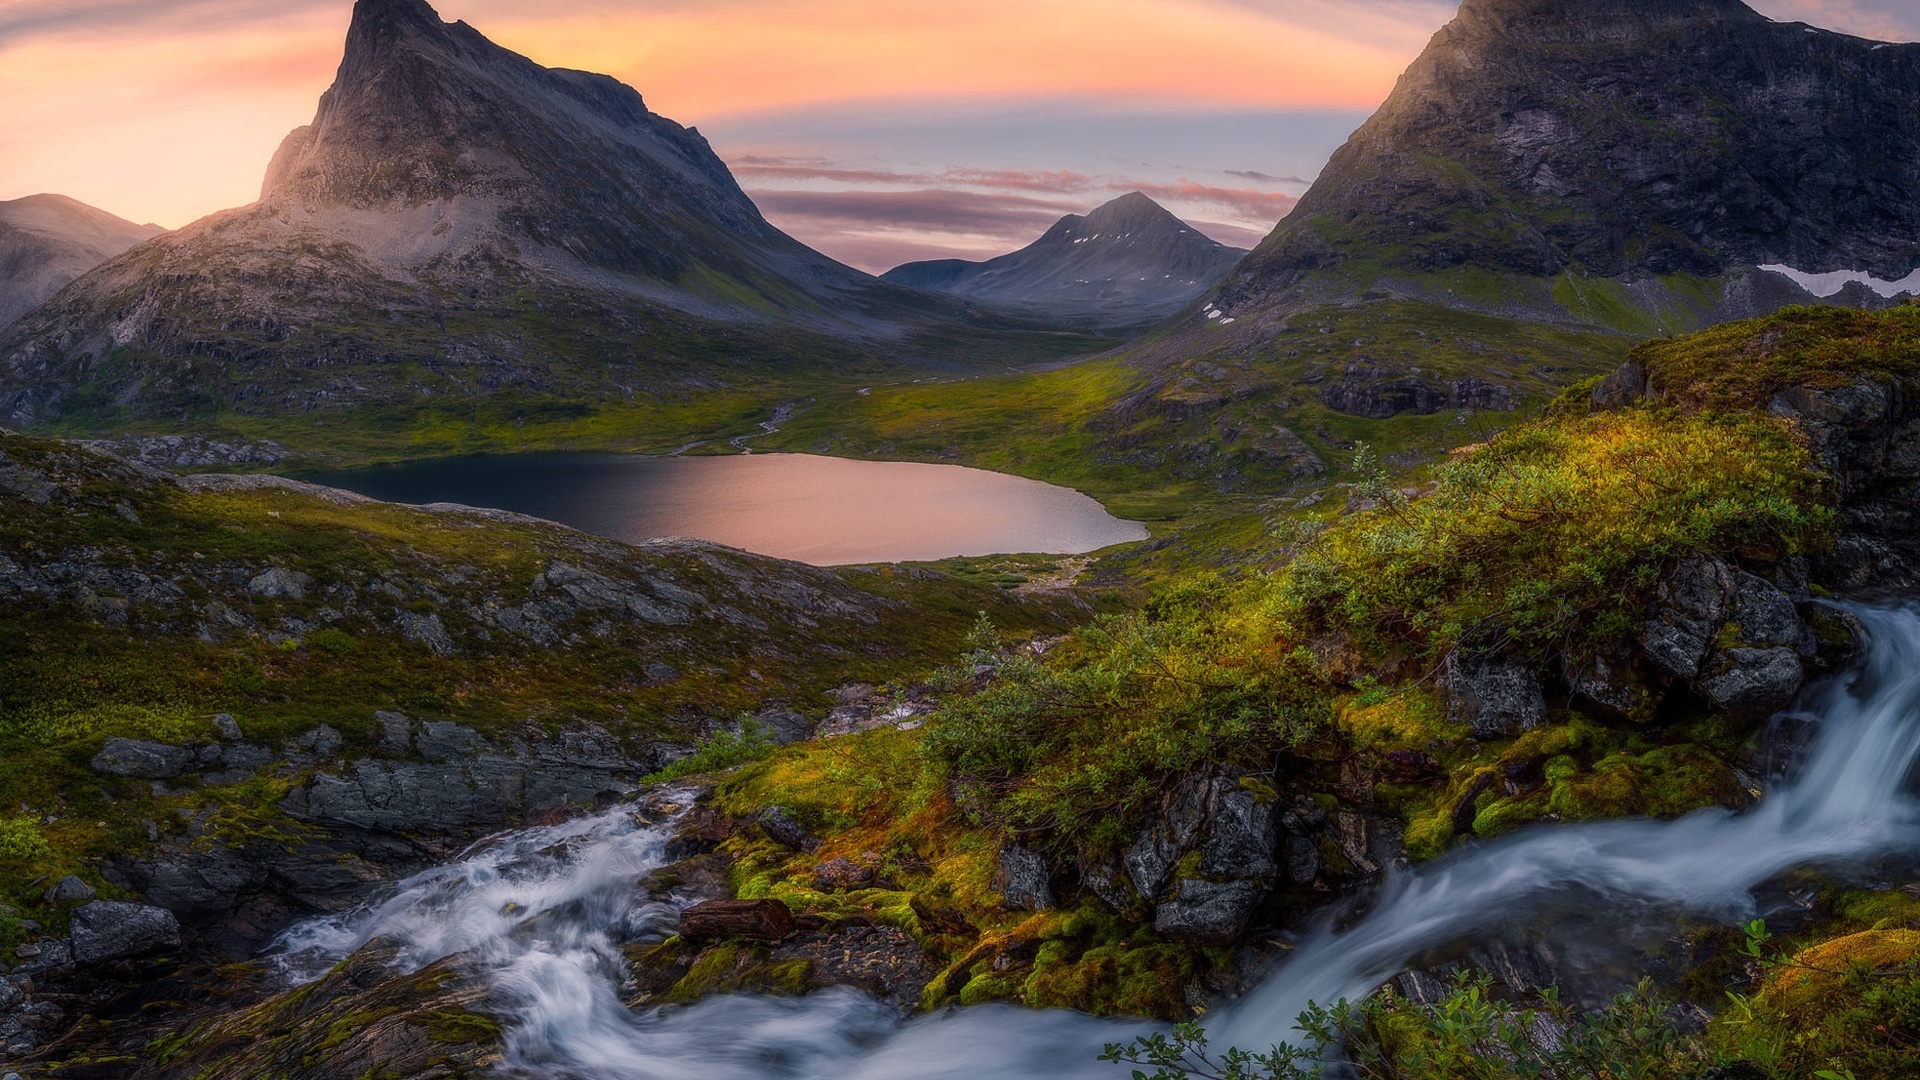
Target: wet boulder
[
  {"x": 143, "y": 760},
  {"x": 1766, "y": 616},
  {"x": 1690, "y": 605},
  {"x": 760, "y": 920},
  {"x": 1167, "y": 836},
  {"x": 1495, "y": 696},
  {"x": 1611, "y": 683},
  {"x": 1754, "y": 682},
  {"x": 783, "y": 829},
  {"x": 107, "y": 930},
  {"x": 1202, "y": 912},
  {"x": 1024, "y": 879}
]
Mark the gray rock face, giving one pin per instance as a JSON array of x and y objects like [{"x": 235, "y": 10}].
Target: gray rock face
[
  {"x": 280, "y": 583},
  {"x": 1767, "y": 617},
  {"x": 145, "y": 760},
  {"x": 1235, "y": 834},
  {"x": 1690, "y": 606},
  {"x": 1208, "y": 912},
  {"x": 68, "y": 890},
  {"x": 203, "y": 883},
  {"x": 469, "y": 784},
  {"x": 107, "y": 930},
  {"x": 1613, "y": 684},
  {"x": 1754, "y": 682},
  {"x": 1167, "y": 837},
  {"x": 784, "y": 726},
  {"x": 228, "y": 727},
  {"x": 1240, "y": 837},
  {"x": 1024, "y": 879},
  {"x": 1571, "y": 129},
  {"x": 1495, "y": 696}
]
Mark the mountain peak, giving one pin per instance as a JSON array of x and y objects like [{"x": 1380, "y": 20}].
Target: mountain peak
[
  {"x": 1587, "y": 20},
  {"x": 1127, "y": 261},
  {"x": 1130, "y": 210},
  {"x": 1587, "y": 10}
]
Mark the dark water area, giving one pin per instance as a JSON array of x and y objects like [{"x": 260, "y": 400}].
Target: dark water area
[{"x": 820, "y": 510}]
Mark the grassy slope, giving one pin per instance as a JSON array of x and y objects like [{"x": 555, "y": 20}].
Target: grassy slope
[{"x": 80, "y": 669}]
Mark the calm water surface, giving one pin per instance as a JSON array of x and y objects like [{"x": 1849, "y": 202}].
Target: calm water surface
[{"x": 820, "y": 510}]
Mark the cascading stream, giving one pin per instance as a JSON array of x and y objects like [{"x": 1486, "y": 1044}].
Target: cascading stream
[{"x": 541, "y": 914}]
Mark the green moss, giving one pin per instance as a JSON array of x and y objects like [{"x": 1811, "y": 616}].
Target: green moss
[
  {"x": 1850, "y": 1005},
  {"x": 1743, "y": 364},
  {"x": 460, "y": 1027}
]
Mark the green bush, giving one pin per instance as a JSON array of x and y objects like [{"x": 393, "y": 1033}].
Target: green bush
[
  {"x": 1072, "y": 746},
  {"x": 21, "y": 841},
  {"x": 721, "y": 751}
]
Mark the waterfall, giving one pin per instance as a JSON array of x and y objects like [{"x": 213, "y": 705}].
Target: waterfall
[{"x": 541, "y": 915}]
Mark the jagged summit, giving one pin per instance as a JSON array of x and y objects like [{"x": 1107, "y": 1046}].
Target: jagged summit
[
  {"x": 1125, "y": 262},
  {"x": 1630, "y": 140},
  {"x": 460, "y": 222},
  {"x": 1520, "y": 12}
]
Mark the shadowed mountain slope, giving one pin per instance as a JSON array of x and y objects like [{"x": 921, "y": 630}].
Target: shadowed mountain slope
[
  {"x": 1660, "y": 149},
  {"x": 1127, "y": 262},
  {"x": 48, "y": 240}
]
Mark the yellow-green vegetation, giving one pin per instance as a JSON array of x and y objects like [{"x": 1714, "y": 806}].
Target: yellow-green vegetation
[
  {"x": 878, "y": 801},
  {"x": 1743, "y": 364},
  {"x": 1069, "y": 748},
  {"x": 1546, "y": 539},
  {"x": 1847, "y": 1007},
  {"x": 1569, "y": 771}
]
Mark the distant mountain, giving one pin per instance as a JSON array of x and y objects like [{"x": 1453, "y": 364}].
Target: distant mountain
[
  {"x": 1646, "y": 153},
  {"x": 48, "y": 240},
  {"x": 1127, "y": 262},
  {"x": 459, "y": 222}
]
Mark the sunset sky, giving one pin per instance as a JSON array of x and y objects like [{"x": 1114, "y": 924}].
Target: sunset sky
[{"x": 876, "y": 130}]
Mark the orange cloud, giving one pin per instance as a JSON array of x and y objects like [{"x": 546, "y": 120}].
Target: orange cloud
[
  {"x": 173, "y": 117},
  {"x": 716, "y": 60}
]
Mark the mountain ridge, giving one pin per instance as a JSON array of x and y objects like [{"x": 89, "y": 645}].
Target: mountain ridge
[
  {"x": 1127, "y": 261},
  {"x": 49, "y": 240},
  {"x": 459, "y": 223}
]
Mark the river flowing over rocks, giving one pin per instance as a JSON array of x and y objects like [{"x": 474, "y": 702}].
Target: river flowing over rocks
[{"x": 545, "y": 918}]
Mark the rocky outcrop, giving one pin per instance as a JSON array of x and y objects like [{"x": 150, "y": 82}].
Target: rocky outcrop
[
  {"x": 1023, "y": 878},
  {"x": 1866, "y": 438},
  {"x": 1369, "y": 395},
  {"x": 106, "y": 930},
  {"x": 447, "y": 778},
  {"x": 1205, "y": 861},
  {"x": 1495, "y": 696}
]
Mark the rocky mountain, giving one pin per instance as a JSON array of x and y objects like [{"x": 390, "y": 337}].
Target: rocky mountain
[
  {"x": 1605, "y": 154},
  {"x": 1550, "y": 182},
  {"x": 48, "y": 240},
  {"x": 459, "y": 222},
  {"x": 1128, "y": 261}
]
